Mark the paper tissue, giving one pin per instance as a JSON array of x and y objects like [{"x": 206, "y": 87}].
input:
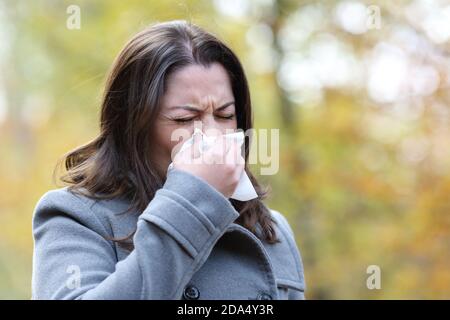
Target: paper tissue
[{"x": 244, "y": 190}]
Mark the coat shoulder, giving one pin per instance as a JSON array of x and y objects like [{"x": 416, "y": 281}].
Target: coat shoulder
[
  {"x": 60, "y": 200},
  {"x": 285, "y": 255},
  {"x": 63, "y": 206},
  {"x": 282, "y": 223}
]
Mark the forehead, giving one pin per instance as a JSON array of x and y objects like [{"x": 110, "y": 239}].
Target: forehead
[{"x": 196, "y": 83}]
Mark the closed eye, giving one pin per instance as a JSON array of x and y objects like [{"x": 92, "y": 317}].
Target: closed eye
[
  {"x": 228, "y": 117},
  {"x": 183, "y": 120}
]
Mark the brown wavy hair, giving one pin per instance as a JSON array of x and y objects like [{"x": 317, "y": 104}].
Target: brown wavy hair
[{"x": 116, "y": 162}]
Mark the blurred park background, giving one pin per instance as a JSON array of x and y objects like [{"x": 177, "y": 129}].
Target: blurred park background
[{"x": 359, "y": 89}]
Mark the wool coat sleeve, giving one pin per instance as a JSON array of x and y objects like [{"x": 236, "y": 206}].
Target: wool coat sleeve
[{"x": 175, "y": 234}]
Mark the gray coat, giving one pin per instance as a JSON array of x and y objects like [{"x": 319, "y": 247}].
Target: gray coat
[{"x": 186, "y": 246}]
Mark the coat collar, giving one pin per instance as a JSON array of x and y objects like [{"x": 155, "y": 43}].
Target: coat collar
[{"x": 279, "y": 257}]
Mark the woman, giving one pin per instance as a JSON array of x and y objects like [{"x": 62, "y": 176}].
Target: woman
[{"x": 125, "y": 227}]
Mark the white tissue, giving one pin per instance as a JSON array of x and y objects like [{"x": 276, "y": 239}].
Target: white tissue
[{"x": 244, "y": 190}]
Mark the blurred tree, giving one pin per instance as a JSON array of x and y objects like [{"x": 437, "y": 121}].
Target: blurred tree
[{"x": 363, "y": 116}]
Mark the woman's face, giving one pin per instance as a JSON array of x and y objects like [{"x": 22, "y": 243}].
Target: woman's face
[{"x": 196, "y": 96}]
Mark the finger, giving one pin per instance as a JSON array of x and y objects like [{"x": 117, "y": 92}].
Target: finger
[
  {"x": 234, "y": 153},
  {"x": 176, "y": 150},
  {"x": 222, "y": 149},
  {"x": 196, "y": 145}
]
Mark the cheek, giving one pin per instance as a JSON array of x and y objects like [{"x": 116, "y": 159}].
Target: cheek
[
  {"x": 170, "y": 136},
  {"x": 231, "y": 124},
  {"x": 227, "y": 128},
  {"x": 234, "y": 124},
  {"x": 162, "y": 139}
]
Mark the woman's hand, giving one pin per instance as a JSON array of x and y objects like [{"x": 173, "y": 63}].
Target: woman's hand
[{"x": 221, "y": 165}]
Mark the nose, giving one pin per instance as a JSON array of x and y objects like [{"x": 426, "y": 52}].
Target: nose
[{"x": 210, "y": 126}]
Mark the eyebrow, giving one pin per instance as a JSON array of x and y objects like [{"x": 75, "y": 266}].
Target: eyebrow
[{"x": 190, "y": 108}]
